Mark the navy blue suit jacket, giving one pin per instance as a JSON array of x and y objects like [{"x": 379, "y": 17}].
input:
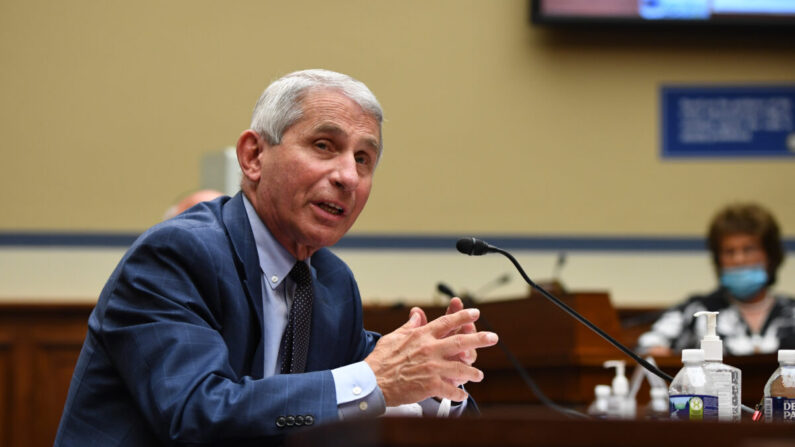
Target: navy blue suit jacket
[{"x": 174, "y": 353}]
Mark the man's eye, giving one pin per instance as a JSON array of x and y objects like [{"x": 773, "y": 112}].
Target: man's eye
[{"x": 363, "y": 159}]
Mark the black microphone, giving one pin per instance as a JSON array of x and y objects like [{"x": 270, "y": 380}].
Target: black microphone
[
  {"x": 561, "y": 261},
  {"x": 473, "y": 246},
  {"x": 445, "y": 289}
]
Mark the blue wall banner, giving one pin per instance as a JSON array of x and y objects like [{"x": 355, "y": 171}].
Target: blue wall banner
[{"x": 728, "y": 121}]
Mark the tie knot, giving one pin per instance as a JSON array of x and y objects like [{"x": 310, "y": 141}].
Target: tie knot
[{"x": 300, "y": 273}]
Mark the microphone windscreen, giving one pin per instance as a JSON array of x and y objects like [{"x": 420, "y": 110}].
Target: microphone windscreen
[
  {"x": 466, "y": 245},
  {"x": 473, "y": 246},
  {"x": 443, "y": 288}
]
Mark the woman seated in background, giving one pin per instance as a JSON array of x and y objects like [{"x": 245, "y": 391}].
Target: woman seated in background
[{"x": 746, "y": 248}]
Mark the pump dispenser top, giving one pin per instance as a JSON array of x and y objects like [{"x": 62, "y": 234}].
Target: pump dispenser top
[
  {"x": 620, "y": 382},
  {"x": 711, "y": 343}
]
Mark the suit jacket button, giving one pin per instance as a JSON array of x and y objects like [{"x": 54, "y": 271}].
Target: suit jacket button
[
  {"x": 290, "y": 421},
  {"x": 309, "y": 419},
  {"x": 280, "y": 421},
  {"x": 299, "y": 420}
]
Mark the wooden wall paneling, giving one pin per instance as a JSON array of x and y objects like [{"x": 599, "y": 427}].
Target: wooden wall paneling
[
  {"x": 22, "y": 416},
  {"x": 55, "y": 352},
  {"x": 6, "y": 387},
  {"x": 39, "y": 346}
]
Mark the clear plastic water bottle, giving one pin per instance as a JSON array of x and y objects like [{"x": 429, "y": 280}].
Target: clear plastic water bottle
[
  {"x": 691, "y": 395},
  {"x": 780, "y": 389}
]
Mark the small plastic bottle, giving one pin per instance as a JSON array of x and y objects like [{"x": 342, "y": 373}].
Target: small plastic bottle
[
  {"x": 620, "y": 405},
  {"x": 598, "y": 408},
  {"x": 658, "y": 406},
  {"x": 780, "y": 389},
  {"x": 725, "y": 378},
  {"x": 691, "y": 395}
]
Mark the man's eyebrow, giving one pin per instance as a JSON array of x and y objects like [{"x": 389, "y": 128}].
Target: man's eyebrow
[{"x": 337, "y": 130}]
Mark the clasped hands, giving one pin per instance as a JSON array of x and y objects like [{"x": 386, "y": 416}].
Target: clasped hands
[{"x": 424, "y": 359}]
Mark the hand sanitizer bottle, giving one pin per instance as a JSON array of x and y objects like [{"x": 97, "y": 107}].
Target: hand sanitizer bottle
[
  {"x": 691, "y": 395},
  {"x": 599, "y": 407},
  {"x": 620, "y": 405},
  {"x": 780, "y": 389},
  {"x": 726, "y": 379}
]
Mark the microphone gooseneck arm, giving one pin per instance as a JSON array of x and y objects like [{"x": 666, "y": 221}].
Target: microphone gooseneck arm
[
  {"x": 641, "y": 361},
  {"x": 476, "y": 247}
]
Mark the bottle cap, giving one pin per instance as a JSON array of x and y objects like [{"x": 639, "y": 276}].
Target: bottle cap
[
  {"x": 620, "y": 382},
  {"x": 602, "y": 391},
  {"x": 692, "y": 355},
  {"x": 711, "y": 343},
  {"x": 658, "y": 393},
  {"x": 786, "y": 355}
]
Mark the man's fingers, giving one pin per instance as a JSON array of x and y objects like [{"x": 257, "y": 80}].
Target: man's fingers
[
  {"x": 452, "y": 392},
  {"x": 455, "y": 305},
  {"x": 446, "y": 324},
  {"x": 414, "y": 321},
  {"x": 455, "y": 344},
  {"x": 468, "y": 328},
  {"x": 457, "y": 373},
  {"x": 468, "y": 357},
  {"x": 423, "y": 317}
]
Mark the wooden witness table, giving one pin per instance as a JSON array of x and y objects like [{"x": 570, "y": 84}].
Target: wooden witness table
[{"x": 517, "y": 429}]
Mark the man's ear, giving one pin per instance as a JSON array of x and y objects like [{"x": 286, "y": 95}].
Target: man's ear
[{"x": 248, "y": 152}]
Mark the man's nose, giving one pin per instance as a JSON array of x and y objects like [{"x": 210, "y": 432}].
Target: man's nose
[{"x": 346, "y": 174}]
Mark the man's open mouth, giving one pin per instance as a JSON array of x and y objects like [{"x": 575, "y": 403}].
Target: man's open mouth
[{"x": 331, "y": 208}]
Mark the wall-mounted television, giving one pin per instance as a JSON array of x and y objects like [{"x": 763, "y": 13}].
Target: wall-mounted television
[{"x": 720, "y": 13}]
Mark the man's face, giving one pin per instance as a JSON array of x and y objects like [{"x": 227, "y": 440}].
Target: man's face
[
  {"x": 741, "y": 250},
  {"x": 317, "y": 180}
]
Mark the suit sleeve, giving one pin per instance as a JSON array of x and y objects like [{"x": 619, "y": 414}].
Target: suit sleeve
[{"x": 166, "y": 325}]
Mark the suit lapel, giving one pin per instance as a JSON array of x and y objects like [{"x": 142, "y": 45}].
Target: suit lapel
[
  {"x": 325, "y": 320},
  {"x": 238, "y": 229}
]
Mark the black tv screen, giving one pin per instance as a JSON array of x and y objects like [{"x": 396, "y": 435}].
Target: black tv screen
[{"x": 757, "y": 13}]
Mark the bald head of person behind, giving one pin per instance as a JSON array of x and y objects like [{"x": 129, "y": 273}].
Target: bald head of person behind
[{"x": 202, "y": 195}]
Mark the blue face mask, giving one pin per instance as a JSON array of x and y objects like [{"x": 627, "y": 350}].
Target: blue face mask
[{"x": 744, "y": 282}]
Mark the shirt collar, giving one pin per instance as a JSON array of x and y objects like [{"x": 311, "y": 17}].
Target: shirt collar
[{"x": 275, "y": 261}]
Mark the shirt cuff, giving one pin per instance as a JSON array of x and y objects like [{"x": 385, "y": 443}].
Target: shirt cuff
[{"x": 358, "y": 394}]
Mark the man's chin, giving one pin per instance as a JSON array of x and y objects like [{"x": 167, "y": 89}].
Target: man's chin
[{"x": 323, "y": 239}]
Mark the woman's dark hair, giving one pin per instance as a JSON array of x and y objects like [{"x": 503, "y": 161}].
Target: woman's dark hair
[{"x": 751, "y": 219}]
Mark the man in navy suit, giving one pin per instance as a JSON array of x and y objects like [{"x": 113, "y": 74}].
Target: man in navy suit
[{"x": 190, "y": 338}]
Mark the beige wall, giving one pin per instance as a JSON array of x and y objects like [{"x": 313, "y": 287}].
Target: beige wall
[{"x": 106, "y": 108}]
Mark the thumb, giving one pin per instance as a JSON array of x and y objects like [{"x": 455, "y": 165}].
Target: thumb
[{"x": 414, "y": 321}]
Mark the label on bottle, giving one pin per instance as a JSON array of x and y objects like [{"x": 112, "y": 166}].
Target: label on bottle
[
  {"x": 779, "y": 409},
  {"x": 693, "y": 407},
  {"x": 722, "y": 380}
]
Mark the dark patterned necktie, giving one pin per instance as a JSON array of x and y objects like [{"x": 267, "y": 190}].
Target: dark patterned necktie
[{"x": 295, "y": 341}]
